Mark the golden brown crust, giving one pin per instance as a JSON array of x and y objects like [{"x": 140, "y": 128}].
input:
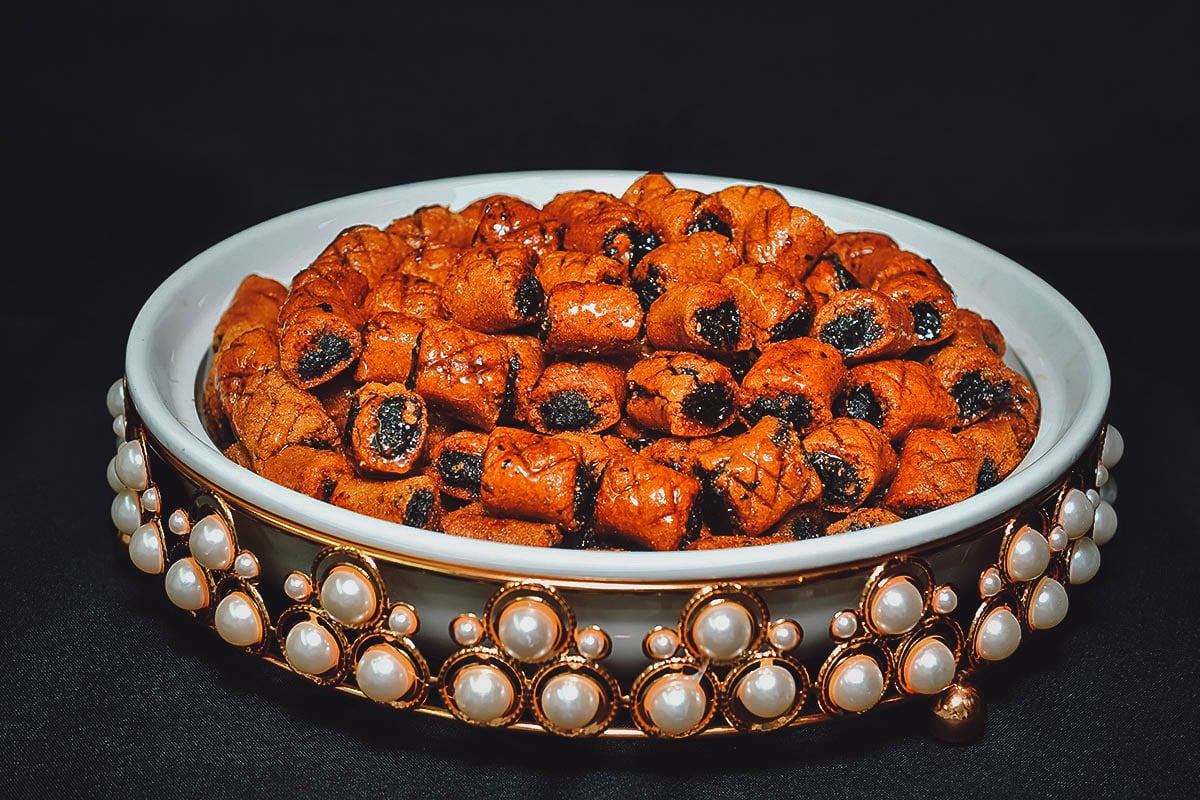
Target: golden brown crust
[
  {"x": 896, "y": 396},
  {"x": 273, "y": 413},
  {"x": 853, "y": 459},
  {"x": 307, "y": 470},
  {"x": 864, "y": 324},
  {"x": 702, "y": 317},
  {"x": 404, "y": 294},
  {"x": 645, "y": 502},
  {"x": 935, "y": 469},
  {"x": 639, "y": 336},
  {"x": 255, "y": 302},
  {"x": 681, "y": 394},
  {"x": 586, "y": 396},
  {"x": 861, "y": 519},
  {"x": 386, "y": 428},
  {"x": 753, "y": 480},
  {"x": 472, "y": 522},
  {"x": 389, "y": 351},
  {"x": 795, "y": 381},
  {"x": 462, "y": 372},
  {"x": 774, "y": 305},
  {"x": 529, "y": 476},
  {"x": 592, "y": 319},
  {"x": 492, "y": 288},
  {"x": 408, "y": 501}
]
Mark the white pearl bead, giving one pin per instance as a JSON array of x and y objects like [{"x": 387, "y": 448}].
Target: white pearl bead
[
  {"x": 896, "y": 606},
  {"x": 115, "y": 399},
  {"x": 1108, "y": 492},
  {"x": 348, "y": 596},
  {"x": 592, "y": 642},
  {"x": 945, "y": 600},
  {"x": 1101, "y": 475},
  {"x": 929, "y": 667},
  {"x": 118, "y": 428},
  {"x": 186, "y": 585},
  {"x": 784, "y": 635},
  {"x": 998, "y": 636},
  {"x": 856, "y": 684},
  {"x": 297, "y": 586},
  {"x": 246, "y": 565},
  {"x": 722, "y": 631},
  {"x": 384, "y": 674},
  {"x": 1085, "y": 561},
  {"x": 131, "y": 465},
  {"x": 178, "y": 523},
  {"x": 150, "y": 499},
  {"x": 483, "y": 693},
  {"x": 466, "y": 630},
  {"x": 1049, "y": 604},
  {"x": 1105, "y": 525},
  {"x": 146, "y": 550},
  {"x": 311, "y": 649},
  {"x": 110, "y": 473},
  {"x": 237, "y": 620},
  {"x": 1058, "y": 539},
  {"x": 662, "y": 643},
  {"x": 1076, "y": 514},
  {"x": 1114, "y": 447},
  {"x": 675, "y": 703},
  {"x": 403, "y": 620},
  {"x": 126, "y": 511},
  {"x": 210, "y": 543},
  {"x": 1028, "y": 555},
  {"x": 768, "y": 691},
  {"x": 570, "y": 702},
  {"x": 528, "y": 629},
  {"x": 990, "y": 582},
  {"x": 844, "y": 625}
]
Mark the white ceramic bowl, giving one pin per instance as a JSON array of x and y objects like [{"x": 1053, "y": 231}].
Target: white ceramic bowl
[{"x": 626, "y": 593}]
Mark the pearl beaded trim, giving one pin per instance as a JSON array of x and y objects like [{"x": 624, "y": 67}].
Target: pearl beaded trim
[{"x": 524, "y": 662}]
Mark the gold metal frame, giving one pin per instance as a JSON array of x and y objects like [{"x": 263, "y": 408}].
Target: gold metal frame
[{"x": 621, "y": 714}]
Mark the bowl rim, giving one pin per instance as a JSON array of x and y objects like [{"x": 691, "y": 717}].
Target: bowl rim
[{"x": 417, "y": 546}]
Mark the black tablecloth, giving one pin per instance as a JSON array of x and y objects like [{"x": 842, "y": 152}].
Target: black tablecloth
[{"x": 137, "y": 137}]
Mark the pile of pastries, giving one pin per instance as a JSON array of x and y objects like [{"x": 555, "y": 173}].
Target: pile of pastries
[{"x": 662, "y": 370}]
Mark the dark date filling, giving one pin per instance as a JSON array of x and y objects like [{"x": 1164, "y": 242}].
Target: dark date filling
[
  {"x": 709, "y": 404},
  {"x": 861, "y": 403},
  {"x": 419, "y": 508},
  {"x": 927, "y": 321},
  {"x": 718, "y": 511},
  {"x": 584, "y": 501},
  {"x": 529, "y": 297},
  {"x": 976, "y": 395},
  {"x": 852, "y": 333},
  {"x": 845, "y": 279},
  {"x": 508, "y": 403},
  {"x": 720, "y": 326},
  {"x": 568, "y": 411},
  {"x": 839, "y": 479},
  {"x": 328, "y": 351},
  {"x": 637, "y": 243},
  {"x": 650, "y": 289},
  {"x": 707, "y": 221},
  {"x": 805, "y": 526},
  {"x": 461, "y": 470},
  {"x": 795, "y": 324},
  {"x": 988, "y": 476},
  {"x": 794, "y": 409},
  {"x": 396, "y": 435}
]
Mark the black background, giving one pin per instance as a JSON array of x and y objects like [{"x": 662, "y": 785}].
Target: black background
[{"x": 138, "y": 136}]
